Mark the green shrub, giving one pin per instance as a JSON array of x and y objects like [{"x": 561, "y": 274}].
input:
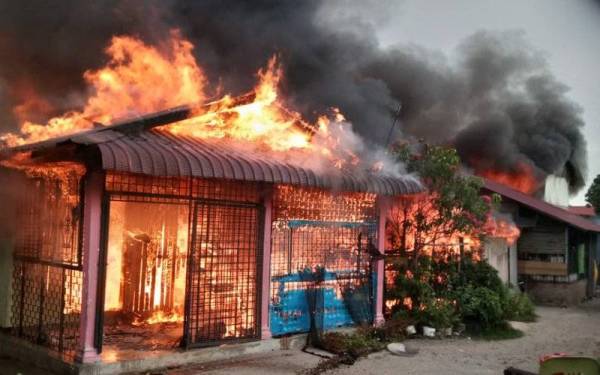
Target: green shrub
[
  {"x": 478, "y": 273},
  {"x": 519, "y": 307},
  {"x": 439, "y": 313},
  {"x": 481, "y": 307},
  {"x": 415, "y": 284},
  {"x": 445, "y": 291}
]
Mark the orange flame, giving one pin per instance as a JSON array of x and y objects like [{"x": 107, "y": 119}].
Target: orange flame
[
  {"x": 160, "y": 317},
  {"x": 503, "y": 228},
  {"x": 263, "y": 120},
  {"x": 414, "y": 224},
  {"x": 137, "y": 79},
  {"x": 523, "y": 179},
  {"x": 266, "y": 124}
]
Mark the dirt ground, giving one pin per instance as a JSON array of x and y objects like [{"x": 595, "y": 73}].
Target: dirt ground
[
  {"x": 572, "y": 330},
  {"x": 575, "y": 331}
]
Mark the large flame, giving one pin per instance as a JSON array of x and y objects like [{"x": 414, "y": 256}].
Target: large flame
[
  {"x": 265, "y": 123},
  {"x": 137, "y": 79},
  {"x": 141, "y": 79},
  {"x": 263, "y": 120}
]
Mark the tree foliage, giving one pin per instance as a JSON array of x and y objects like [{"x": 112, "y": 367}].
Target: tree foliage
[
  {"x": 593, "y": 194},
  {"x": 452, "y": 205},
  {"x": 432, "y": 285}
]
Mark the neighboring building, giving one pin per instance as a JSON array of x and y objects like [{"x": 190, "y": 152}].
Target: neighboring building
[
  {"x": 219, "y": 244},
  {"x": 587, "y": 211},
  {"x": 556, "y": 250}
]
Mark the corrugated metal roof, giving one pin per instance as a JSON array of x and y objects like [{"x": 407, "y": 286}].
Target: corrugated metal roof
[
  {"x": 542, "y": 206},
  {"x": 136, "y": 146},
  {"x": 160, "y": 153}
]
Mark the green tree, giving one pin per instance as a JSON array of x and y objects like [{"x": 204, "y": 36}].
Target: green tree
[
  {"x": 452, "y": 207},
  {"x": 593, "y": 194}
]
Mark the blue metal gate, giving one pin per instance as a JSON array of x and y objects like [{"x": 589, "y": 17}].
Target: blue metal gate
[{"x": 329, "y": 259}]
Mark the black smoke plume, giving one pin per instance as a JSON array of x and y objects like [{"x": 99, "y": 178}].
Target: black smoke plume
[{"x": 499, "y": 105}]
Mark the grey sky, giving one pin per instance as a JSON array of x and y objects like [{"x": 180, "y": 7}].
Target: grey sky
[{"x": 567, "y": 31}]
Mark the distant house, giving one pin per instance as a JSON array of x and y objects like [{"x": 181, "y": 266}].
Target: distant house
[
  {"x": 587, "y": 211},
  {"x": 555, "y": 256}
]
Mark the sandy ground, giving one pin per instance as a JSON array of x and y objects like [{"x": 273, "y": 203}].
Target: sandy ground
[{"x": 574, "y": 330}]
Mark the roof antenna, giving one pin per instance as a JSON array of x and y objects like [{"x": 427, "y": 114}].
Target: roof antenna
[{"x": 396, "y": 117}]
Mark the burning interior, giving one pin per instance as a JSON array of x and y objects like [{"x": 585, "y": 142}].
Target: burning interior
[
  {"x": 146, "y": 268},
  {"x": 182, "y": 269}
]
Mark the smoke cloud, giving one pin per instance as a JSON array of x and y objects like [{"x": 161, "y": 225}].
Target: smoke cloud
[{"x": 499, "y": 104}]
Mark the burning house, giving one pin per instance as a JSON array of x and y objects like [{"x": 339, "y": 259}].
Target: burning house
[
  {"x": 213, "y": 223},
  {"x": 140, "y": 236}
]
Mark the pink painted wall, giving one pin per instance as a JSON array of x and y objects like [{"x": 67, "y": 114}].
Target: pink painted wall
[
  {"x": 378, "y": 266},
  {"x": 92, "y": 214},
  {"x": 265, "y": 331}
]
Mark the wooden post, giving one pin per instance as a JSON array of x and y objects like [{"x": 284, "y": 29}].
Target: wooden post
[{"x": 92, "y": 224}]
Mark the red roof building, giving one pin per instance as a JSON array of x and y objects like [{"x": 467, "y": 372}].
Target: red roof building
[{"x": 557, "y": 249}]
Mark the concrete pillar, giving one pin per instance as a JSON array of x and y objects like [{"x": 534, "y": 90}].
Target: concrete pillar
[
  {"x": 378, "y": 266},
  {"x": 265, "y": 329},
  {"x": 92, "y": 219}
]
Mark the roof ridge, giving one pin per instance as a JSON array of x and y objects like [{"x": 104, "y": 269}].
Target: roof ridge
[{"x": 542, "y": 206}]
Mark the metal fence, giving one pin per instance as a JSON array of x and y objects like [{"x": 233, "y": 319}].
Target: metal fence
[{"x": 47, "y": 275}]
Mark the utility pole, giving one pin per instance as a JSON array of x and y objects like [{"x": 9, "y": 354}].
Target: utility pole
[{"x": 396, "y": 118}]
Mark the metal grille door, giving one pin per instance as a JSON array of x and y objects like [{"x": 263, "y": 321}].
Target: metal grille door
[
  {"x": 223, "y": 274},
  {"x": 47, "y": 276}
]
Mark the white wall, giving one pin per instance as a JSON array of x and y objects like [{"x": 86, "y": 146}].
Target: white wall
[{"x": 498, "y": 254}]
